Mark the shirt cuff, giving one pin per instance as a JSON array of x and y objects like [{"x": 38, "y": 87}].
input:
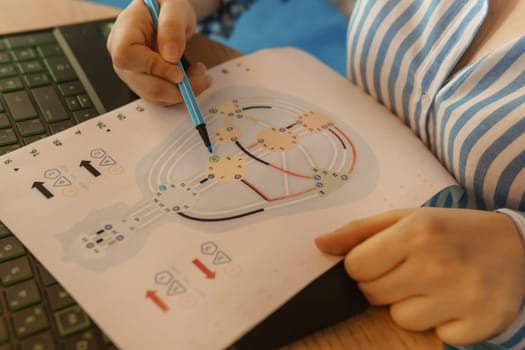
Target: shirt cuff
[{"x": 514, "y": 336}]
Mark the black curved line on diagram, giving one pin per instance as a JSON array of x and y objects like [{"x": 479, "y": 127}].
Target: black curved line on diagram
[
  {"x": 255, "y": 190},
  {"x": 338, "y": 137},
  {"x": 255, "y": 107},
  {"x": 249, "y": 154},
  {"x": 186, "y": 216}
]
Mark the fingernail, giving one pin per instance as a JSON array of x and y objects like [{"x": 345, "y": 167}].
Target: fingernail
[
  {"x": 170, "y": 52},
  {"x": 174, "y": 75}
]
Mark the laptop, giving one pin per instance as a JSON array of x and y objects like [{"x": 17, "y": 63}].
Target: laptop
[{"x": 51, "y": 80}]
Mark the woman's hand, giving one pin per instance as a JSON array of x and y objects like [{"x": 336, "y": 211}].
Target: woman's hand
[
  {"x": 459, "y": 271},
  {"x": 145, "y": 59}
]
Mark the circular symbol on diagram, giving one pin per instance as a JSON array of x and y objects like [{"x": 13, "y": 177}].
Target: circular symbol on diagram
[
  {"x": 98, "y": 153},
  {"x": 163, "y": 277},
  {"x": 52, "y": 174},
  {"x": 208, "y": 248}
]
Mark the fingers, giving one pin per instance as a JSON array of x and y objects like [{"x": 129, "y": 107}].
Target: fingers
[
  {"x": 464, "y": 331},
  {"x": 176, "y": 24},
  {"x": 421, "y": 313},
  {"x": 198, "y": 77},
  {"x": 145, "y": 58},
  {"x": 140, "y": 59},
  {"x": 163, "y": 92},
  {"x": 377, "y": 255},
  {"x": 394, "y": 286},
  {"x": 345, "y": 238}
]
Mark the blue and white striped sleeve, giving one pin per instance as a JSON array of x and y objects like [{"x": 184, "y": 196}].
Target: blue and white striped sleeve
[
  {"x": 514, "y": 336},
  {"x": 222, "y": 22}
]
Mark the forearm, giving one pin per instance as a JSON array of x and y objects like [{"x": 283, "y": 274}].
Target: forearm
[{"x": 204, "y": 8}]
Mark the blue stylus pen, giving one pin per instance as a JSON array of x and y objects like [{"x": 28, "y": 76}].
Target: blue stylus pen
[{"x": 184, "y": 86}]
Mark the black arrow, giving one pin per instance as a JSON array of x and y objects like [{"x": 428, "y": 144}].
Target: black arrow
[
  {"x": 40, "y": 186},
  {"x": 87, "y": 164}
]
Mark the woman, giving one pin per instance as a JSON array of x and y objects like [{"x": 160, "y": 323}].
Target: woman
[{"x": 454, "y": 72}]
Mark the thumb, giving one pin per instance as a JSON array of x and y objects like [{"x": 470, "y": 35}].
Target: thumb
[
  {"x": 177, "y": 22},
  {"x": 343, "y": 239}
]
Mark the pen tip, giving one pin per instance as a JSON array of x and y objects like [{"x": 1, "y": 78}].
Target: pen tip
[{"x": 210, "y": 149}]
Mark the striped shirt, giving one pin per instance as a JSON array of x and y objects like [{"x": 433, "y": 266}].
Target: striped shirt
[{"x": 403, "y": 52}]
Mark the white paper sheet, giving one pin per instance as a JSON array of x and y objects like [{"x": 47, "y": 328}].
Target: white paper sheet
[{"x": 168, "y": 247}]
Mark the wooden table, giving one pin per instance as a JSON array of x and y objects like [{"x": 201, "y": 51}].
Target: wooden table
[{"x": 372, "y": 330}]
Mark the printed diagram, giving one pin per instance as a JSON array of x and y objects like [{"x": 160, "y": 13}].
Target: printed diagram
[
  {"x": 170, "y": 282},
  {"x": 270, "y": 152}
]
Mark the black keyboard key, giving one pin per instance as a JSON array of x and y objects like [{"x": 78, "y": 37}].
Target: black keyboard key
[
  {"x": 49, "y": 104},
  {"x": 7, "y": 137},
  {"x": 58, "y": 297},
  {"x": 30, "y": 321},
  {"x": 49, "y": 50},
  {"x": 22, "y": 295},
  {"x": 84, "y": 115},
  {"x": 46, "y": 278},
  {"x": 31, "y": 67},
  {"x": 31, "y": 127},
  {"x": 4, "y": 121},
  {"x": 73, "y": 103},
  {"x": 60, "y": 69},
  {"x": 5, "y": 57},
  {"x": 71, "y": 320},
  {"x": 37, "y": 80},
  {"x": 10, "y": 248},
  {"x": 7, "y": 149},
  {"x": 85, "y": 101},
  {"x": 60, "y": 126},
  {"x": 25, "y": 54},
  {"x": 14, "y": 271},
  {"x": 31, "y": 139},
  {"x": 85, "y": 341},
  {"x": 20, "y": 105},
  {"x": 41, "y": 341},
  {"x": 4, "y": 231},
  {"x": 11, "y": 84},
  {"x": 25, "y": 40},
  {"x": 4, "y": 333},
  {"x": 8, "y": 70},
  {"x": 71, "y": 88}
]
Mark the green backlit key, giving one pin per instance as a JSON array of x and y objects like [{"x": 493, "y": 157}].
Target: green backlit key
[{"x": 10, "y": 248}]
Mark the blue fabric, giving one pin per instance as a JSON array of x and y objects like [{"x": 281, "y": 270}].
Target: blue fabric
[
  {"x": 115, "y": 3},
  {"x": 472, "y": 347},
  {"x": 314, "y": 26}
]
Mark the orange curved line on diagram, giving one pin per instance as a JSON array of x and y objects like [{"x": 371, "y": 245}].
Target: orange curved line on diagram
[
  {"x": 290, "y": 172},
  {"x": 266, "y": 198},
  {"x": 354, "y": 153}
]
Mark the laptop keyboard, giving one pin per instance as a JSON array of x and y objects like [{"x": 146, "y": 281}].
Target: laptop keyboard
[{"x": 40, "y": 95}]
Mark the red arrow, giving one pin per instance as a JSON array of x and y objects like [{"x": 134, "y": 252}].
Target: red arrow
[
  {"x": 152, "y": 294},
  {"x": 203, "y": 268}
]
